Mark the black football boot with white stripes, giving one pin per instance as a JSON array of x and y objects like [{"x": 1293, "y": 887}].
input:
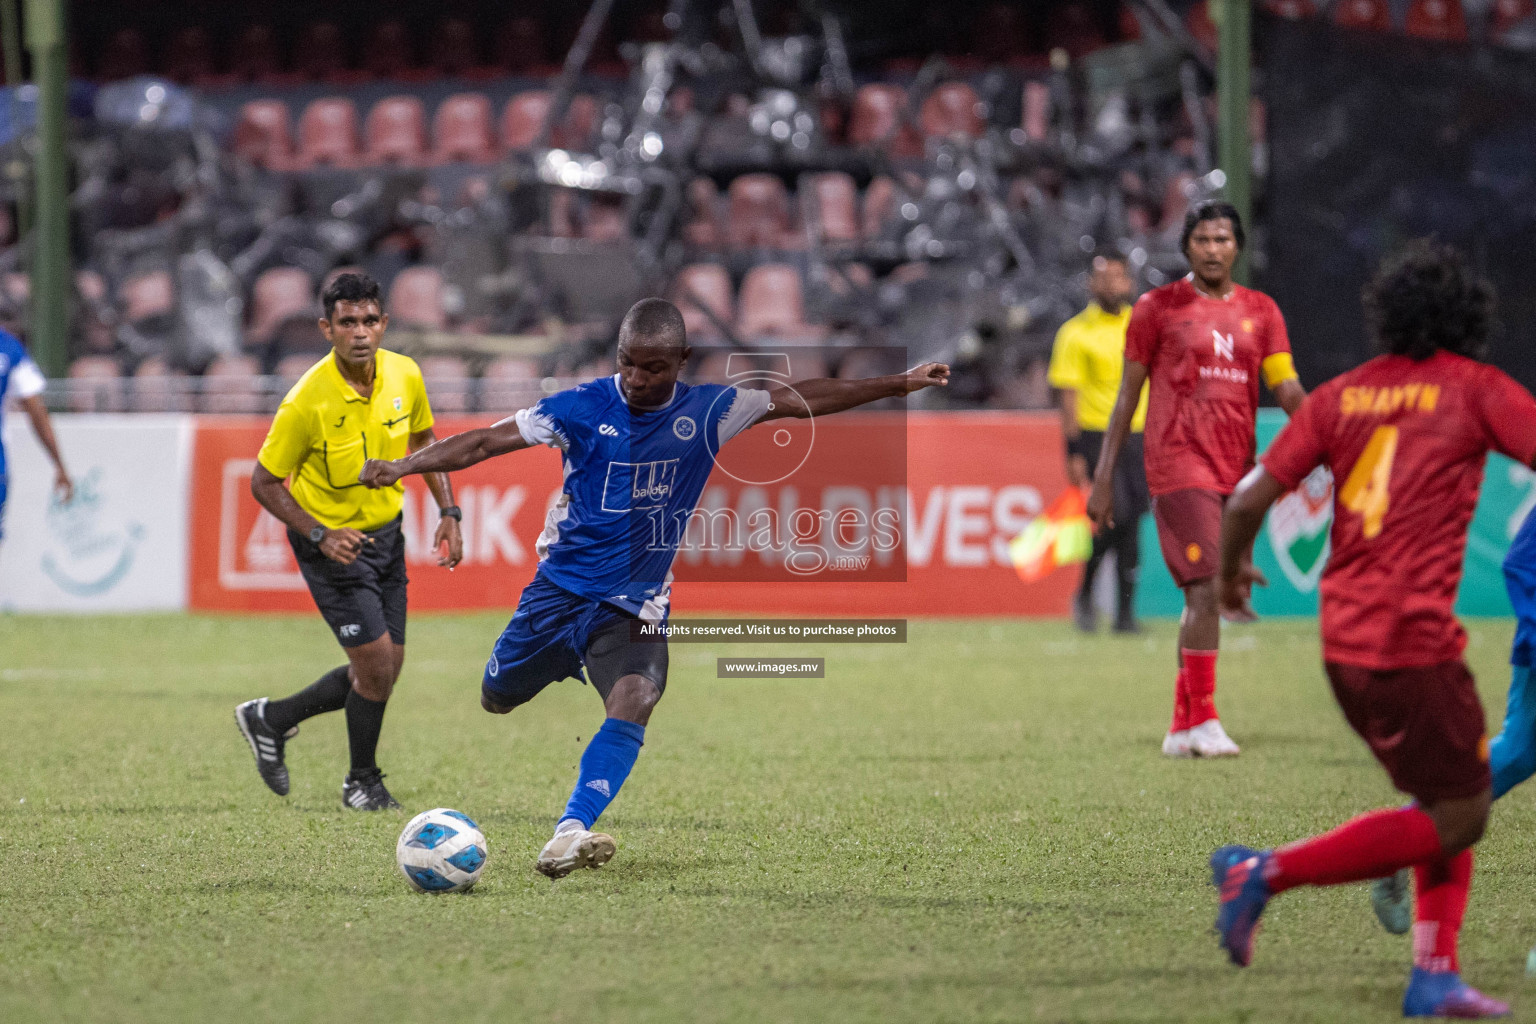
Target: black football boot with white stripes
[
  {"x": 364, "y": 791},
  {"x": 266, "y": 743}
]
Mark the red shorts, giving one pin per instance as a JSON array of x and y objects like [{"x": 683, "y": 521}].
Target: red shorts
[
  {"x": 1189, "y": 531},
  {"x": 1424, "y": 724}
]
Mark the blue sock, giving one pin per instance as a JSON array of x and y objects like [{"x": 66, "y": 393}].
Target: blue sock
[
  {"x": 1512, "y": 754},
  {"x": 605, "y": 764}
]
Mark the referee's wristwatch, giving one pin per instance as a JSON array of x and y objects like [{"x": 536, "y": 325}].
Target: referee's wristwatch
[
  {"x": 317, "y": 535},
  {"x": 451, "y": 512}
]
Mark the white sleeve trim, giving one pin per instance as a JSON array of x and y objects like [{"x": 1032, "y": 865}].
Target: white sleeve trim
[
  {"x": 26, "y": 379},
  {"x": 537, "y": 428},
  {"x": 749, "y": 406}
]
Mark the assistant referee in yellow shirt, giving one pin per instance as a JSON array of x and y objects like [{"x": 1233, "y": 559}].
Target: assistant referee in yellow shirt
[
  {"x": 1086, "y": 362},
  {"x": 360, "y": 402}
]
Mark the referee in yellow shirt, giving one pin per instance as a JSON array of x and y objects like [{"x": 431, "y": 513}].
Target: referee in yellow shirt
[
  {"x": 1086, "y": 362},
  {"x": 360, "y": 402}
]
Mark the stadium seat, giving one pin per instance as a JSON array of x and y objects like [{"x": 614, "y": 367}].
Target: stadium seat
[
  {"x": 876, "y": 120},
  {"x": 335, "y": 272},
  {"x": 952, "y": 111},
  {"x": 157, "y": 388},
  {"x": 453, "y": 50},
  {"x": 328, "y": 134},
  {"x": 995, "y": 34},
  {"x": 710, "y": 284},
  {"x": 772, "y": 304},
  {"x": 575, "y": 130},
  {"x": 604, "y": 219},
  {"x": 1441, "y": 20},
  {"x": 263, "y": 135},
  {"x": 416, "y": 299},
  {"x": 146, "y": 295},
  {"x": 702, "y": 229},
  {"x": 837, "y": 205},
  {"x": 447, "y": 382},
  {"x": 1506, "y": 15},
  {"x": 1075, "y": 28},
  {"x": 388, "y": 53},
  {"x": 293, "y": 366},
  {"x": 509, "y": 384},
  {"x": 1371, "y": 15},
  {"x": 1198, "y": 20},
  {"x": 253, "y": 57},
  {"x": 519, "y": 47},
  {"x": 1037, "y": 111},
  {"x": 879, "y": 206},
  {"x": 189, "y": 56},
  {"x": 758, "y": 212},
  {"x": 522, "y": 118},
  {"x": 320, "y": 54},
  {"x": 232, "y": 384},
  {"x": 1293, "y": 10},
  {"x": 461, "y": 130},
  {"x": 96, "y": 385},
  {"x": 279, "y": 294},
  {"x": 1175, "y": 203},
  {"x": 395, "y": 132},
  {"x": 125, "y": 54}
]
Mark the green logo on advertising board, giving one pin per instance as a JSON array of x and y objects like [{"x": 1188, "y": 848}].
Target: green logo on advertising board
[{"x": 1298, "y": 530}]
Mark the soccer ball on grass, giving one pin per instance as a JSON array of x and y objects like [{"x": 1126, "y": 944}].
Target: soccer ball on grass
[{"x": 441, "y": 850}]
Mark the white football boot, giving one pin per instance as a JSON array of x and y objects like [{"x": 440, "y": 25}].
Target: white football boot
[
  {"x": 575, "y": 848},
  {"x": 1209, "y": 739},
  {"x": 1176, "y": 744}
]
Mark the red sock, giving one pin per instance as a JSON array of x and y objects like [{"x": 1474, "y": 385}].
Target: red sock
[
  {"x": 1373, "y": 845},
  {"x": 1200, "y": 685},
  {"x": 1440, "y": 904},
  {"x": 1180, "y": 705}
]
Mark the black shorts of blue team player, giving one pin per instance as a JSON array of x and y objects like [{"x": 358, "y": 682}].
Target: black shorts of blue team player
[
  {"x": 554, "y": 634},
  {"x": 362, "y": 601}
]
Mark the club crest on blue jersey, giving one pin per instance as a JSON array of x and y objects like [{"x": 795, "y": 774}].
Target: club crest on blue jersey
[{"x": 684, "y": 428}]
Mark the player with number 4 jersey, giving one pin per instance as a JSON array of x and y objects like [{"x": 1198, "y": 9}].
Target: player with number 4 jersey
[{"x": 1406, "y": 436}]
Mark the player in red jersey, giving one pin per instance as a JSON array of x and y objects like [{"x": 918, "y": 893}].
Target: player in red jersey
[
  {"x": 1406, "y": 436},
  {"x": 1204, "y": 341}
]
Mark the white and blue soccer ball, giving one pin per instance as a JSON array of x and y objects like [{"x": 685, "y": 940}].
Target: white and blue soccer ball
[{"x": 441, "y": 850}]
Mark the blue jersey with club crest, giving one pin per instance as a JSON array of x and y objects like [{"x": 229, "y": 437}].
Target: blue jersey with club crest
[{"x": 632, "y": 480}]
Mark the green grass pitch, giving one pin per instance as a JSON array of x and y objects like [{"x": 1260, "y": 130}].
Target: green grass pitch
[{"x": 975, "y": 825}]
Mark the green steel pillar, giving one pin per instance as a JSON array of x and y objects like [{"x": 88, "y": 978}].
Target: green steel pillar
[
  {"x": 50, "y": 251},
  {"x": 1234, "y": 148}
]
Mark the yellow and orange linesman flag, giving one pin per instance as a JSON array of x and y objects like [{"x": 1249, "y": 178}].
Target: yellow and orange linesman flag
[{"x": 1061, "y": 535}]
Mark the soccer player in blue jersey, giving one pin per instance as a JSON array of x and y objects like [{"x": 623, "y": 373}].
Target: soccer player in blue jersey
[
  {"x": 637, "y": 449},
  {"x": 20, "y": 377}
]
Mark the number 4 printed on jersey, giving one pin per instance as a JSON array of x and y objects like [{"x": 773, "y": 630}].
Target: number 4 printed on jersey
[{"x": 1367, "y": 491}]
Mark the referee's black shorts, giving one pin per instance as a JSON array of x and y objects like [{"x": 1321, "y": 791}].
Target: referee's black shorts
[{"x": 362, "y": 601}]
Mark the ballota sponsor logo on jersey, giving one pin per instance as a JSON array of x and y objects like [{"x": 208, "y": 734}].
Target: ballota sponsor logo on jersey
[{"x": 891, "y": 514}]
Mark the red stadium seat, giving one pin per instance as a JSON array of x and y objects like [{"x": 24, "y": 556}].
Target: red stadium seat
[
  {"x": 96, "y": 385},
  {"x": 1075, "y": 28},
  {"x": 189, "y": 56},
  {"x": 328, "y": 134},
  {"x": 253, "y": 57},
  {"x": 461, "y": 131},
  {"x": 416, "y": 299},
  {"x": 126, "y": 54},
  {"x": 1201, "y": 25},
  {"x": 454, "y": 49},
  {"x": 703, "y": 228},
  {"x": 263, "y": 135},
  {"x": 388, "y": 53},
  {"x": 758, "y": 215},
  {"x": 604, "y": 219},
  {"x": 1175, "y": 202},
  {"x": 952, "y": 111},
  {"x": 395, "y": 132},
  {"x": 320, "y": 54},
  {"x": 837, "y": 204},
  {"x": 708, "y": 283},
  {"x": 879, "y": 206},
  {"x": 1442, "y": 20},
  {"x": 1371, "y": 15},
  {"x": 519, "y": 47},
  {"x": 1293, "y": 10},
  {"x": 278, "y": 295},
  {"x": 447, "y": 382},
  {"x": 293, "y": 366},
  {"x": 521, "y": 120},
  {"x": 232, "y": 384},
  {"x": 1507, "y": 14},
  {"x": 509, "y": 383},
  {"x": 876, "y": 120},
  {"x": 772, "y": 304},
  {"x": 580, "y": 121},
  {"x": 146, "y": 295}
]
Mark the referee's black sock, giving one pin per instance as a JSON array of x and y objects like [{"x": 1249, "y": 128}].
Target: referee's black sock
[
  {"x": 328, "y": 693},
  {"x": 364, "y": 720}
]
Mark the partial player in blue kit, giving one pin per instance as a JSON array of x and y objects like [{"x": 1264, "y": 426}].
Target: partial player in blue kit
[
  {"x": 637, "y": 449},
  {"x": 20, "y": 378}
]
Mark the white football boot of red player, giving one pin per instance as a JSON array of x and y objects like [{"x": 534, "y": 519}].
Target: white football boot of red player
[
  {"x": 1209, "y": 739},
  {"x": 1176, "y": 744}
]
